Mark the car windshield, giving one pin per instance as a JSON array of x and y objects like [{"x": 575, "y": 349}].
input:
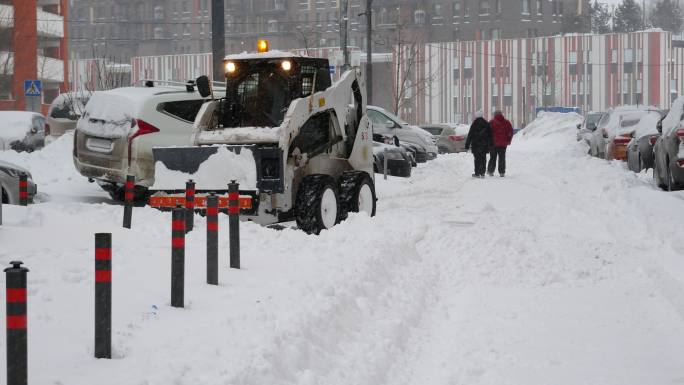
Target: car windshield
[
  {"x": 433, "y": 130},
  {"x": 593, "y": 119}
]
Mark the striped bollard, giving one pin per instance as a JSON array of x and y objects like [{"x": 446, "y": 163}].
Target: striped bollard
[
  {"x": 17, "y": 353},
  {"x": 212, "y": 239},
  {"x": 23, "y": 189},
  {"x": 129, "y": 195},
  {"x": 103, "y": 295},
  {"x": 234, "y": 223},
  {"x": 177, "y": 256},
  {"x": 189, "y": 205}
]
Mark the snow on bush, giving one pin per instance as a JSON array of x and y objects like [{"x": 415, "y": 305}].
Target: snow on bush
[{"x": 548, "y": 123}]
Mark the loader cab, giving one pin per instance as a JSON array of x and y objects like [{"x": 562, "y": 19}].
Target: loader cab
[{"x": 260, "y": 87}]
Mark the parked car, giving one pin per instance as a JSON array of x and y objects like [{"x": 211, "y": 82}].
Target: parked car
[
  {"x": 388, "y": 124},
  {"x": 412, "y": 151},
  {"x": 119, "y": 128},
  {"x": 22, "y": 131},
  {"x": 588, "y": 126},
  {"x": 450, "y": 137},
  {"x": 668, "y": 170},
  {"x": 65, "y": 111},
  {"x": 612, "y": 122},
  {"x": 398, "y": 161},
  {"x": 643, "y": 138},
  {"x": 9, "y": 183}
]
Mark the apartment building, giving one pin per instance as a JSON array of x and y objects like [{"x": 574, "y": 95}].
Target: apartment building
[{"x": 33, "y": 45}]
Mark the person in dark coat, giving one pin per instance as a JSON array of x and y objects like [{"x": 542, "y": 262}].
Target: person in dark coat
[
  {"x": 480, "y": 140},
  {"x": 502, "y": 133}
]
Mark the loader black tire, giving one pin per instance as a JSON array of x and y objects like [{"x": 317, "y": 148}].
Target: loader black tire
[
  {"x": 310, "y": 212},
  {"x": 352, "y": 183}
]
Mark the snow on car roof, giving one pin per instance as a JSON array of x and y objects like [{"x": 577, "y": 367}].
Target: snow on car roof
[
  {"x": 647, "y": 125},
  {"x": 265, "y": 55},
  {"x": 15, "y": 124}
]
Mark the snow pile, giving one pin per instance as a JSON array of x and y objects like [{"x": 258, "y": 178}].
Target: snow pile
[
  {"x": 461, "y": 129},
  {"x": 213, "y": 174},
  {"x": 240, "y": 135},
  {"x": 108, "y": 115},
  {"x": 647, "y": 125},
  {"x": 549, "y": 123}
]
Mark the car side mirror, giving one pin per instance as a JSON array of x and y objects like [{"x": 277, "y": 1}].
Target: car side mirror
[
  {"x": 204, "y": 86},
  {"x": 579, "y": 126},
  {"x": 389, "y": 124},
  {"x": 591, "y": 126},
  {"x": 396, "y": 140},
  {"x": 34, "y": 130},
  {"x": 659, "y": 127}
]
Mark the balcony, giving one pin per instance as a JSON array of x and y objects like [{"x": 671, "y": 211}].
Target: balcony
[
  {"x": 6, "y": 16},
  {"x": 49, "y": 70},
  {"x": 49, "y": 24}
]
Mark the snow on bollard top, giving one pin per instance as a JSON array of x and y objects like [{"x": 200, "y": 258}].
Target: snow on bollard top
[{"x": 213, "y": 174}]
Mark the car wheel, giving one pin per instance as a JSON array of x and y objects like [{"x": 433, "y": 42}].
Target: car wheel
[
  {"x": 317, "y": 205},
  {"x": 357, "y": 194}
]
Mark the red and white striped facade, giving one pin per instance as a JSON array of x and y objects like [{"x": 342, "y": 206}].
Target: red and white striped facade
[{"x": 592, "y": 72}]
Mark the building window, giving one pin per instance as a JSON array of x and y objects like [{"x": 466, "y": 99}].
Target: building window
[
  {"x": 419, "y": 17},
  {"x": 437, "y": 10},
  {"x": 484, "y": 7},
  {"x": 525, "y": 7},
  {"x": 457, "y": 8},
  {"x": 508, "y": 94},
  {"x": 468, "y": 67},
  {"x": 497, "y": 5},
  {"x": 159, "y": 13},
  {"x": 540, "y": 9},
  {"x": 272, "y": 26},
  {"x": 466, "y": 10},
  {"x": 572, "y": 63}
]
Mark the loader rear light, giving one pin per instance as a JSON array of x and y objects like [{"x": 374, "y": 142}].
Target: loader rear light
[
  {"x": 653, "y": 139},
  {"x": 144, "y": 128},
  {"x": 456, "y": 138}
]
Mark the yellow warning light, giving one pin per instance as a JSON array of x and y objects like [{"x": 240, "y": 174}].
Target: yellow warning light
[
  {"x": 262, "y": 46},
  {"x": 287, "y": 65},
  {"x": 230, "y": 67}
]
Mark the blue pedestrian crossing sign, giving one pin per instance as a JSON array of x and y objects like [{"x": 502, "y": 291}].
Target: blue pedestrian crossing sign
[
  {"x": 332, "y": 70},
  {"x": 33, "y": 87}
]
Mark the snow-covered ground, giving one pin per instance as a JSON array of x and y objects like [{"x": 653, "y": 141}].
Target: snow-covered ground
[{"x": 568, "y": 271}]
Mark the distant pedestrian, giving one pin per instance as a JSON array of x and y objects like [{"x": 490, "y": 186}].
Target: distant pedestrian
[
  {"x": 480, "y": 140},
  {"x": 502, "y": 132}
]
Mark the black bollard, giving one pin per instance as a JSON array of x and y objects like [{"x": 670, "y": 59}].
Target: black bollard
[
  {"x": 189, "y": 205},
  {"x": 23, "y": 189},
  {"x": 129, "y": 196},
  {"x": 17, "y": 354},
  {"x": 234, "y": 223},
  {"x": 177, "y": 256},
  {"x": 103, "y": 295},
  {"x": 212, "y": 239}
]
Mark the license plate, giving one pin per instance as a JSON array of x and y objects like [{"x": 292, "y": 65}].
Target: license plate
[{"x": 99, "y": 145}]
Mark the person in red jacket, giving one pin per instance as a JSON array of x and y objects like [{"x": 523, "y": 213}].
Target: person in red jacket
[{"x": 502, "y": 131}]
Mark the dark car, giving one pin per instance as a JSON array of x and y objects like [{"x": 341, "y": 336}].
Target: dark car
[
  {"x": 398, "y": 161},
  {"x": 668, "y": 170},
  {"x": 644, "y": 137},
  {"x": 22, "y": 131},
  {"x": 9, "y": 183}
]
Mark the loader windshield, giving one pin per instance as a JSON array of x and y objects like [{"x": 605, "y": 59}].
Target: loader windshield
[{"x": 259, "y": 92}]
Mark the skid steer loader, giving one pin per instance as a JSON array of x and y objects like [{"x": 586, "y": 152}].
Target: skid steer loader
[{"x": 299, "y": 146}]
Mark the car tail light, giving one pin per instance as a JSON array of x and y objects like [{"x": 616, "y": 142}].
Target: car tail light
[
  {"x": 456, "y": 138},
  {"x": 680, "y": 162},
  {"x": 47, "y": 129},
  {"x": 653, "y": 139},
  {"x": 621, "y": 140},
  {"x": 680, "y": 134},
  {"x": 144, "y": 128}
]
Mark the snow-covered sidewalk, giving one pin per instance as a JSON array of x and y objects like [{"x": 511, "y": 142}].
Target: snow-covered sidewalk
[{"x": 568, "y": 271}]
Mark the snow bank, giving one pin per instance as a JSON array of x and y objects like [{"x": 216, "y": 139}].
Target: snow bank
[
  {"x": 213, "y": 174},
  {"x": 548, "y": 123},
  {"x": 647, "y": 125},
  {"x": 240, "y": 135},
  {"x": 108, "y": 115}
]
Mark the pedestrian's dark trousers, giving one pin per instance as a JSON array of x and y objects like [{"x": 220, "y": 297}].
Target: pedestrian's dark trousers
[
  {"x": 500, "y": 153},
  {"x": 480, "y": 161}
]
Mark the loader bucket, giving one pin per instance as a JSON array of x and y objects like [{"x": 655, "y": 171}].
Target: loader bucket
[{"x": 183, "y": 159}]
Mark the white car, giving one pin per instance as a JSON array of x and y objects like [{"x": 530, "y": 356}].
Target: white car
[
  {"x": 118, "y": 129},
  {"x": 22, "y": 131},
  {"x": 613, "y": 122},
  {"x": 65, "y": 111},
  {"x": 387, "y": 124}
]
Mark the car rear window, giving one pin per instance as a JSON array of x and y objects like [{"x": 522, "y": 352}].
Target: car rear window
[
  {"x": 184, "y": 109},
  {"x": 433, "y": 130},
  {"x": 629, "y": 122}
]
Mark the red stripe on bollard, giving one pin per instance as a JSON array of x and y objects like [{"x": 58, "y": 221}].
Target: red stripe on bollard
[
  {"x": 103, "y": 254},
  {"x": 130, "y": 185},
  {"x": 103, "y": 276},
  {"x": 212, "y": 226},
  {"x": 23, "y": 194},
  {"x": 16, "y": 295},
  {"x": 212, "y": 211},
  {"x": 16, "y": 322},
  {"x": 233, "y": 196},
  {"x": 178, "y": 225},
  {"x": 129, "y": 196},
  {"x": 178, "y": 243},
  {"x": 233, "y": 210}
]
